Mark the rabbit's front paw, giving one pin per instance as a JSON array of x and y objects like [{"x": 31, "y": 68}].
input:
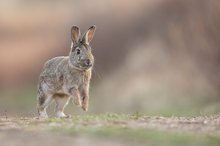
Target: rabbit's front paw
[{"x": 85, "y": 106}]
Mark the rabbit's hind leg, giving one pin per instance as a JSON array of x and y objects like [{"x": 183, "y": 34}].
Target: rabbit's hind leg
[
  {"x": 43, "y": 102},
  {"x": 61, "y": 103}
]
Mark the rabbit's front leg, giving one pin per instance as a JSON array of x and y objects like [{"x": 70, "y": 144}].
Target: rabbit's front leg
[
  {"x": 76, "y": 96},
  {"x": 85, "y": 97}
]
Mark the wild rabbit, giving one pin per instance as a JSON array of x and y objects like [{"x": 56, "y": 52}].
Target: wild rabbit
[{"x": 67, "y": 77}]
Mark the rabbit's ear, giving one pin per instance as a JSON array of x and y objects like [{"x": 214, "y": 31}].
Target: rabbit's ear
[
  {"x": 75, "y": 33},
  {"x": 87, "y": 37}
]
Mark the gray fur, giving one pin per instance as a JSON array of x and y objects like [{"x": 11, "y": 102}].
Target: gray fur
[{"x": 67, "y": 77}]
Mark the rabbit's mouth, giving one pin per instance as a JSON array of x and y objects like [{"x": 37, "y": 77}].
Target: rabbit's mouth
[
  {"x": 81, "y": 65},
  {"x": 85, "y": 67}
]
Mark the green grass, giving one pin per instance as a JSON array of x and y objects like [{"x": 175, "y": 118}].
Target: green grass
[
  {"x": 131, "y": 136},
  {"x": 95, "y": 118},
  {"x": 149, "y": 136}
]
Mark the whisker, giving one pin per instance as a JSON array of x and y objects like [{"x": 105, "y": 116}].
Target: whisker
[{"x": 97, "y": 73}]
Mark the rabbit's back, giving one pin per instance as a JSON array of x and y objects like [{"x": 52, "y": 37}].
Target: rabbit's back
[
  {"x": 51, "y": 66},
  {"x": 52, "y": 73}
]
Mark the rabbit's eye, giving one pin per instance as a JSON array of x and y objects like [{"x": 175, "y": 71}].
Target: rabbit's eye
[{"x": 77, "y": 51}]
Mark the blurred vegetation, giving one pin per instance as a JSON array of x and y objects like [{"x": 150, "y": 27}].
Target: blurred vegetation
[
  {"x": 23, "y": 103},
  {"x": 156, "y": 57},
  {"x": 150, "y": 137}
]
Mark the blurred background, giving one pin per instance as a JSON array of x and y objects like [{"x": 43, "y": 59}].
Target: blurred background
[{"x": 151, "y": 56}]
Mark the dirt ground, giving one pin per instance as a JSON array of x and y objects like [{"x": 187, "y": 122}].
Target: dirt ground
[{"x": 86, "y": 130}]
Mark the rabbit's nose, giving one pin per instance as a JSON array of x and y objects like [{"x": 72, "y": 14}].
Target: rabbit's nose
[{"x": 88, "y": 62}]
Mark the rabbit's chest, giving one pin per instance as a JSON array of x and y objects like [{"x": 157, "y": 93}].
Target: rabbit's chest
[
  {"x": 72, "y": 80},
  {"x": 76, "y": 80}
]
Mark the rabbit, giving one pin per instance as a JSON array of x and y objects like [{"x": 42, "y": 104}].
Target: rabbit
[{"x": 66, "y": 78}]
